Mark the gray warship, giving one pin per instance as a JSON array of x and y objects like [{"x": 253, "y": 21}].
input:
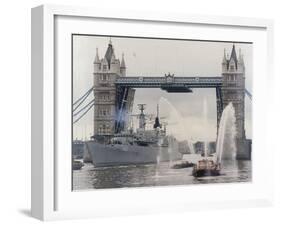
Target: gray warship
[{"x": 142, "y": 146}]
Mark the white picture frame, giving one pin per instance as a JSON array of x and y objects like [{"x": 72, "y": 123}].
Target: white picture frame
[{"x": 52, "y": 197}]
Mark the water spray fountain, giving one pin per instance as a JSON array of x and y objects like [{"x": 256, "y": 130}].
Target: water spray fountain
[
  {"x": 205, "y": 123},
  {"x": 225, "y": 148}
]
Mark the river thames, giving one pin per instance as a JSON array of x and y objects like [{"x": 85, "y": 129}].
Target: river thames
[{"x": 160, "y": 174}]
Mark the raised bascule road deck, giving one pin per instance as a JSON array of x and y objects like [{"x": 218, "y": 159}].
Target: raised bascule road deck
[{"x": 171, "y": 84}]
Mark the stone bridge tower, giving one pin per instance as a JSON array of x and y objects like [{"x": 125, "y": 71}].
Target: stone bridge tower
[
  {"x": 233, "y": 90},
  {"x": 106, "y": 71}
]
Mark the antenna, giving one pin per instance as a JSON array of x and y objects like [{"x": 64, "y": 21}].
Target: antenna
[
  {"x": 157, "y": 122},
  {"x": 142, "y": 116},
  {"x": 157, "y": 110},
  {"x": 141, "y": 107}
]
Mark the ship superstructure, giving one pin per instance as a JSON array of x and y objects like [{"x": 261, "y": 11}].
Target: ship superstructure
[{"x": 135, "y": 147}]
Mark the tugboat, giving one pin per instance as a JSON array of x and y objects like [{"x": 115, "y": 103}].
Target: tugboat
[
  {"x": 206, "y": 167},
  {"x": 182, "y": 164}
]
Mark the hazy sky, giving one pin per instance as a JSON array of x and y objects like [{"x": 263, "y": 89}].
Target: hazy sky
[{"x": 154, "y": 57}]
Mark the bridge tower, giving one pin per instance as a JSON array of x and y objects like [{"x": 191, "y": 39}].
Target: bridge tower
[
  {"x": 233, "y": 90},
  {"x": 107, "y": 97},
  {"x": 106, "y": 71}
]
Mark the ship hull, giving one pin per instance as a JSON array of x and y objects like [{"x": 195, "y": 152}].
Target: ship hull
[
  {"x": 120, "y": 154},
  {"x": 205, "y": 173}
]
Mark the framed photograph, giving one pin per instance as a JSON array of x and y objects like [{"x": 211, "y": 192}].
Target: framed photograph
[{"x": 136, "y": 113}]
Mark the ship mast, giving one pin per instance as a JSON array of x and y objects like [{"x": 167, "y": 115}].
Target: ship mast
[
  {"x": 157, "y": 121},
  {"x": 142, "y": 116}
]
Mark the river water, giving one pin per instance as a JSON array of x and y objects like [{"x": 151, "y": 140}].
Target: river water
[{"x": 160, "y": 174}]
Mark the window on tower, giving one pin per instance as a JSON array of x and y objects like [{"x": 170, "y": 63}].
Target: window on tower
[{"x": 100, "y": 129}]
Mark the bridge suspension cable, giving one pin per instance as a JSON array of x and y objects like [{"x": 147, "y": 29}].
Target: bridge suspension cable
[
  {"x": 75, "y": 114},
  {"x": 82, "y": 99},
  {"x": 248, "y": 94},
  {"x": 87, "y": 107},
  {"x": 90, "y": 104},
  {"x": 80, "y": 111}
]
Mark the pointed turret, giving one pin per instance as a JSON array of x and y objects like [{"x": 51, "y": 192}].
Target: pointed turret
[
  {"x": 224, "y": 62},
  {"x": 104, "y": 64},
  {"x": 123, "y": 66},
  {"x": 241, "y": 65},
  {"x": 109, "y": 53},
  {"x": 97, "y": 59},
  {"x": 114, "y": 64},
  {"x": 113, "y": 58},
  {"x": 240, "y": 59},
  {"x": 97, "y": 62},
  {"x": 233, "y": 56},
  {"x": 232, "y": 65}
]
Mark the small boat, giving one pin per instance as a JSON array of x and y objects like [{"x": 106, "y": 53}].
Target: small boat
[
  {"x": 77, "y": 165},
  {"x": 183, "y": 164},
  {"x": 206, "y": 167}
]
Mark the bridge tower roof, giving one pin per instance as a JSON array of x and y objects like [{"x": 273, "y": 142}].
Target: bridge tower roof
[
  {"x": 109, "y": 53},
  {"x": 97, "y": 59},
  {"x": 233, "y": 56},
  {"x": 123, "y": 65}
]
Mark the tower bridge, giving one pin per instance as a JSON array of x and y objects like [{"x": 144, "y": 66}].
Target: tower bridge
[{"x": 114, "y": 93}]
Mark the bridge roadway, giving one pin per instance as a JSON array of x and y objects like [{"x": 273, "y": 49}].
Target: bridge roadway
[{"x": 169, "y": 81}]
